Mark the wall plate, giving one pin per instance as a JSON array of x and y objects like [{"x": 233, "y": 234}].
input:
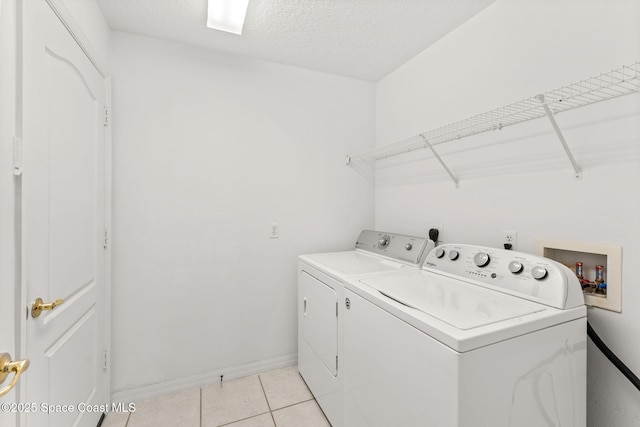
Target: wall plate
[{"x": 590, "y": 254}]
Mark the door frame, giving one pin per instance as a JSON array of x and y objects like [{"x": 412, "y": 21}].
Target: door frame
[
  {"x": 75, "y": 30},
  {"x": 9, "y": 284}
]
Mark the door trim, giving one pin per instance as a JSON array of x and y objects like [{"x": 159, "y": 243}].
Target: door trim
[
  {"x": 109, "y": 233},
  {"x": 61, "y": 10}
]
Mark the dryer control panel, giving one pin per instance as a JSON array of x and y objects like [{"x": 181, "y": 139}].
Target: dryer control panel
[
  {"x": 397, "y": 246},
  {"x": 525, "y": 275}
]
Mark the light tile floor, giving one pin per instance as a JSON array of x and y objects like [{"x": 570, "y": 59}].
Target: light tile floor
[{"x": 277, "y": 398}]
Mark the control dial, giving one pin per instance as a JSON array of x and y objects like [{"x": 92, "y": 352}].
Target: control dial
[
  {"x": 516, "y": 267},
  {"x": 383, "y": 242},
  {"x": 538, "y": 272},
  {"x": 408, "y": 246},
  {"x": 454, "y": 255},
  {"x": 439, "y": 253},
  {"x": 482, "y": 259}
]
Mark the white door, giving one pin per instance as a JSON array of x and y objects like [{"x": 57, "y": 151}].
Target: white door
[{"x": 63, "y": 223}]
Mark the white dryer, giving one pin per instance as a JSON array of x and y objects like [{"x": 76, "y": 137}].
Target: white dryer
[
  {"x": 321, "y": 280},
  {"x": 479, "y": 337}
]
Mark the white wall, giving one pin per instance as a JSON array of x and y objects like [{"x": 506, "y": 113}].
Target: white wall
[
  {"x": 518, "y": 178},
  {"x": 209, "y": 150}
]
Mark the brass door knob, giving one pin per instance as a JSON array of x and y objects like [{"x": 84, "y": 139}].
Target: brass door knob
[
  {"x": 6, "y": 367},
  {"x": 38, "y": 305}
]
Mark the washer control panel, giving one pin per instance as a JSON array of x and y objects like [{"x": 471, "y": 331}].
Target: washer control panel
[
  {"x": 525, "y": 275},
  {"x": 397, "y": 246}
]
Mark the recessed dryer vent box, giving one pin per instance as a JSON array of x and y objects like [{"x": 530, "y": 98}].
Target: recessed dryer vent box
[{"x": 590, "y": 254}]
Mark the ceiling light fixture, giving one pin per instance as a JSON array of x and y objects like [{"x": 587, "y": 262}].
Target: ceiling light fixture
[{"x": 227, "y": 15}]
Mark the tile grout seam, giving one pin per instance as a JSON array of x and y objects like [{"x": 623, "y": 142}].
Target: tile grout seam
[
  {"x": 268, "y": 412},
  {"x": 267, "y": 400}
]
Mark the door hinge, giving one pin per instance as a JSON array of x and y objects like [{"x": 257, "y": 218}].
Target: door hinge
[
  {"x": 336, "y": 308},
  {"x": 336, "y": 363},
  {"x": 17, "y": 156},
  {"x": 107, "y": 116},
  {"x": 106, "y": 238},
  {"x": 106, "y": 361}
]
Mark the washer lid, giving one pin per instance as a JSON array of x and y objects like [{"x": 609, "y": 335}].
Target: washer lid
[{"x": 462, "y": 305}]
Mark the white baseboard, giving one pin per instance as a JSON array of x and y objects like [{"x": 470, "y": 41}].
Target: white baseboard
[{"x": 196, "y": 381}]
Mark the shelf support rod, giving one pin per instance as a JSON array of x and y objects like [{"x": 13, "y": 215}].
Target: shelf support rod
[
  {"x": 453, "y": 177},
  {"x": 576, "y": 169}
]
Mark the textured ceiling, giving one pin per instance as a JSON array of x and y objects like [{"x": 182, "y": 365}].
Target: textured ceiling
[{"x": 364, "y": 39}]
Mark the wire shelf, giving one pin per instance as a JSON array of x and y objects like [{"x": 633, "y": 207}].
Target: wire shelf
[{"x": 615, "y": 83}]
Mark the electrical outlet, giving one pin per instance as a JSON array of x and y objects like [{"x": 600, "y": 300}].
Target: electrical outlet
[
  {"x": 275, "y": 231},
  {"x": 439, "y": 228},
  {"x": 510, "y": 238}
]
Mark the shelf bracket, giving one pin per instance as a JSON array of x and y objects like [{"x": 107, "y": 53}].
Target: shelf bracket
[
  {"x": 576, "y": 169},
  {"x": 453, "y": 177},
  {"x": 364, "y": 168}
]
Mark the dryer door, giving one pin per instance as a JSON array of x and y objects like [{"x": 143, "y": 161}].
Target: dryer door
[{"x": 319, "y": 320}]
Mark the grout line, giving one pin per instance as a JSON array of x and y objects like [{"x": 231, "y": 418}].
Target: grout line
[
  {"x": 294, "y": 404},
  {"x": 267, "y": 399},
  {"x": 243, "y": 419},
  {"x": 264, "y": 393},
  {"x": 200, "y": 406}
]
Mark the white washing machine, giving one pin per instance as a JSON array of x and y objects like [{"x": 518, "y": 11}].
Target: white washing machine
[
  {"x": 320, "y": 289},
  {"x": 479, "y": 337}
]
